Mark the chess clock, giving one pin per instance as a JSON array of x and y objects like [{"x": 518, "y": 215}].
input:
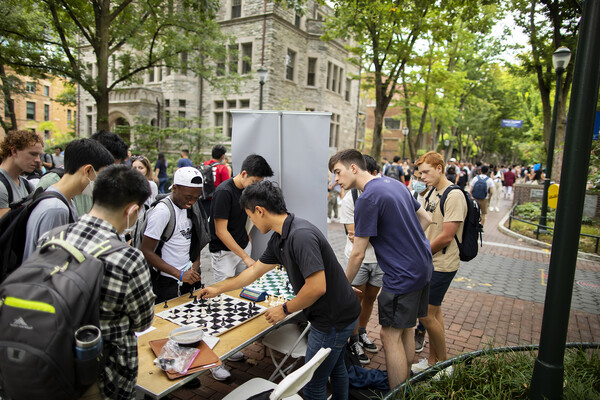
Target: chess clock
[{"x": 253, "y": 295}]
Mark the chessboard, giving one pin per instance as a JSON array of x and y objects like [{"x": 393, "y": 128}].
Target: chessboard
[
  {"x": 216, "y": 315},
  {"x": 275, "y": 283}
]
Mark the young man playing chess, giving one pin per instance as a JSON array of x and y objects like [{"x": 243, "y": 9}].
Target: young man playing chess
[{"x": 318, "y": 280}]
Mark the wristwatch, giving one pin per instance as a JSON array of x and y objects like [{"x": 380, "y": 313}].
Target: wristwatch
[{"x": 285, "y": 310}]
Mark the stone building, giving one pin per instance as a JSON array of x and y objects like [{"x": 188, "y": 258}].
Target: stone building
[
  {"x": 304, "y": 73},
  {"x": 37, "y": 110}
]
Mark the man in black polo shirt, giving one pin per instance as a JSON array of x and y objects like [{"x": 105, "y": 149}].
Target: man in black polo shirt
[{"x": 318, "y": 280}]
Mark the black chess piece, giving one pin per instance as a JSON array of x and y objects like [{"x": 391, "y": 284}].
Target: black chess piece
[
  {"x": 209, "y": 310},
  {"x": 278, "y": 292},
  {"x": 166, "y": 306},
  {"x": 191, "y": 292},
  {"x": 195, "y": 300}
]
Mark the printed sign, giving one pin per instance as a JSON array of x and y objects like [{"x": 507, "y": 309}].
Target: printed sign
[{"x": 512, "y": 123}]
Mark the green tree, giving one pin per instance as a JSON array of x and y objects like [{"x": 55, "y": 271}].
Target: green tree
[{"x": 124, "y": 37}]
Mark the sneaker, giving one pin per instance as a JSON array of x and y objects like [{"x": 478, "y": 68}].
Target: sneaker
[
  {"x": 445, "y": 373},
  {"x": 358, "y": 352},
  {"x": 238, "y": 356},
  {"x": 420, "y": 366},
  {"x": 366, "y": 343},
  {"x": 419, "y": 341},
  {"x": 220, "y": 373}
]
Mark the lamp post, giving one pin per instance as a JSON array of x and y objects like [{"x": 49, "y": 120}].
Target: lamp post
[
  {"x": 405, "y": 131},
  {"x": 262, "y": 78},
  {"x": 560, "y": 61}
]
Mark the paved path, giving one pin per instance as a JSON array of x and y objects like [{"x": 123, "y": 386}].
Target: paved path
[{"x": 496, "y": 299}]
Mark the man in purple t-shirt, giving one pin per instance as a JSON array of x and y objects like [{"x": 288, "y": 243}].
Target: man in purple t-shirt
[{"x": 384, "y": 213}]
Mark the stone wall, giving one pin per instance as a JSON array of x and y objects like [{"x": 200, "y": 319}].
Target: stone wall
[{"x": 524, "y": 193}]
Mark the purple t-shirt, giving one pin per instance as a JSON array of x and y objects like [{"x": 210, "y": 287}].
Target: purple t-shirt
[{"x": 386, "y": 213}]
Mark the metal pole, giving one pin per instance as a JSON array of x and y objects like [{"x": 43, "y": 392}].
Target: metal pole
[
  {"x": 260, "y": 102},
  {"x": 404, "y": 147},
  {"x": 548, "y": 372},
  {"x": 550, "y": 157}
]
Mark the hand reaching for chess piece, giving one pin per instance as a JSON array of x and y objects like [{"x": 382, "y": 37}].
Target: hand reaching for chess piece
[{"x": 208, "y": 292}]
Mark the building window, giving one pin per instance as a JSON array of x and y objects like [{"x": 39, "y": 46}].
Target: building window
[
  {"x": 236, "y": 8},
  {"x": 184, "y": 63},
  {"x": 290, "y": 64},
  {"x": 219, "y": 105},
  {"x": 340, "y": 79},
  {"x": 181, "y": 116},
  {"x": 30, "y": 87},
  {"x": 312, "y": 72},
  {"x": 151, "y": 75},
  {"x": 89, "y": 109},
  {"x": 229, "y": 124},
  {"x": 168, "y": 71},
  {"x": 246, "y": 58},
  {"x": 233, "y": 59},
  {"x": 89, "y": 125},
  {"x": 69, "y": 115},
  {"x": 348, "y": 89},
  {"x": 30, "y": 110},
  {"x": 46, "y": 135},
  {"x": 244, "y": 103},
  {"x": 320, "y": 17},
  {"x": 218, "y": 120},
  {"x": 334, "y": 78},
  {"x": 182, "y": 103},
  {"x": 47, "y": 91},
  {"x": 167, "y": 119},
  {"x": 167, "y": 103},
  {"x": 310, "y": 109},
  {"x": 297, "y": 20},
  {"x": 334, "y": 131},
  {"x": 391, "y": 123},
  {"x": 231, "y": 104},
  {"x": 220, "y": 69},
  {"x": 46, "y": 112},
  {"x": 160, "y": 73},
  {"x": 329, "y": 68}
]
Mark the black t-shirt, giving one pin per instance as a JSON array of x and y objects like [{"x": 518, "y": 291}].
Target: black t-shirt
[
  {"x": 225, "y": 204},
  {"x": 303, "y": 250}
]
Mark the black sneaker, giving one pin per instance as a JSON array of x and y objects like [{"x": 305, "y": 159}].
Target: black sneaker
[
  {"x": 419, "y": 341},
  {"x": 358, "y": 352},
  {"x": 366, "y": 343}
]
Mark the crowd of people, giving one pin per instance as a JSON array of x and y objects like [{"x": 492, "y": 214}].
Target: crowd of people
[{"x": 402, "y": 244}]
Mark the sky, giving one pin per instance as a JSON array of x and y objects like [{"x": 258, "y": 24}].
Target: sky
[{"x": 516, "y": 36}]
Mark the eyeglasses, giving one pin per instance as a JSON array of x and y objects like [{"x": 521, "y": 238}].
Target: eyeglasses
[{"x": 141, "y": 158}]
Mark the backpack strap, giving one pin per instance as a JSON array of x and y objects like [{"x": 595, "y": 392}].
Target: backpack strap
[
  {"x": 354, "y": 195},
  {"x": 8, "y": 188},
  {"x": 170, "y": 228},
  {"x": 57, "y": 236},
  {"x": 38, "y": 196},
  {"x": 443, "y": 203}
]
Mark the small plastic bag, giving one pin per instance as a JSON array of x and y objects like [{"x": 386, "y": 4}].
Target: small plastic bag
[{"x": 175, "y": 358}]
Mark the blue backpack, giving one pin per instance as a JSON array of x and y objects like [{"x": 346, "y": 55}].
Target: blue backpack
[{"x": 480, "y": 188}]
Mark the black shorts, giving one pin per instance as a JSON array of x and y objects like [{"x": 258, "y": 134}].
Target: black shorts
[
  {"x": 400, "y": 311},
  {"x": 439, "y": 284}
]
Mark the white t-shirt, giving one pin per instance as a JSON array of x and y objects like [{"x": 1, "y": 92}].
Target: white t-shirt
[
  {"x": 347, "y": 217},
  {"x": 153, "y": 193},
  {"x": 176, "y": 251}
]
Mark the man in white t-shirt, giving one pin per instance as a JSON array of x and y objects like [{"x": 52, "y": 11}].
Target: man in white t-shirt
[
  {"x": 178, "y": 258},
  {"x": 483, "y": 198},
  {"x": 369, "y": 278}
]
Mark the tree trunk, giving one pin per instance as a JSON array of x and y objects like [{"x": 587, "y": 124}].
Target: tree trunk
[
  {"x": 102, "y": 57},
  {"x": 8, "y": 102},
  {"x": 377, "y": 129}
]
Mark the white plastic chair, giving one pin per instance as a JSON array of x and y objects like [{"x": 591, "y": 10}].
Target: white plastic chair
[
  {"x": 289, "y": 341},
  {"x": 286, "y": 389}
]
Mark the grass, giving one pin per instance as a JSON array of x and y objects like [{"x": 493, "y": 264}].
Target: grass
[
  {"x": 508, "y": 376},
  {"x": 531, "y": 212}
]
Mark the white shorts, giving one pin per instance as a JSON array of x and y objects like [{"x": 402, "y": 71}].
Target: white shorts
[
  {"x": 226, "y": 264},
  {"x": 369, "y": 273}
]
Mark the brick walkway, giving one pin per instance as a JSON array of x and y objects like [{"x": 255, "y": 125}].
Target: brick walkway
[{"x": 475, "y": 314}]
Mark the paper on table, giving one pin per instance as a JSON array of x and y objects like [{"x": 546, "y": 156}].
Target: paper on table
[
  {"x": 138, "y": 334},
  {"x": 211, "y": 341}
]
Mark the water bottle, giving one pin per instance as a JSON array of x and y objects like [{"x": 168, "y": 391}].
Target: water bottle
[{"x": 88, "y": 351}]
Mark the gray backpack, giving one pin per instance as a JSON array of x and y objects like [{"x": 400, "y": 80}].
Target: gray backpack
[{"x": 42, "y": 304}]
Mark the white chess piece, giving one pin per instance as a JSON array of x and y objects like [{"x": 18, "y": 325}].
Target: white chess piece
[
  {"x": 203, "y": 313},
  {"x": 172, "y": 313}
]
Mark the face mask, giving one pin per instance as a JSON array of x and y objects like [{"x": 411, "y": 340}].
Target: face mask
[
  {"x": 129, "y": 228},
  {"x": 419, "y": 186},
  {"x": 89, "y": 189}
]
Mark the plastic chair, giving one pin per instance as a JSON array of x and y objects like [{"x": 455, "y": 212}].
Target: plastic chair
[
  {"x": 286, "y": 389},
  {"x": 291, "y": 342}
]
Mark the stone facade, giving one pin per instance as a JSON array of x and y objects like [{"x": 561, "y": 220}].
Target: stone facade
[{"x": 304, "y": 73}]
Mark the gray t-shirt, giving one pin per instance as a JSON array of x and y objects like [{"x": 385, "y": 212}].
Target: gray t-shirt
[
  {"x": 59, "y": 161},
  {"x": 47, "y": 215},
  {"x": 18, "y": 191}
]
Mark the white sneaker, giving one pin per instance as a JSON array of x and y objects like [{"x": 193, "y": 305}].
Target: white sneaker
[
  {"x": 238, "y": 356},
  {"x": 420, "y": 366},
  {"x": 220, "y": 373},
  {"x": 497, "y": 209}
]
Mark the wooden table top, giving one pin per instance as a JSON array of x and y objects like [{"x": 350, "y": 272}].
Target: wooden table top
[{"x": 154, "y": 382}]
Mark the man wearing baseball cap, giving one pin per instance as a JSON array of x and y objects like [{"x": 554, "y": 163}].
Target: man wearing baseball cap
[{"x": 176, "y": 254}]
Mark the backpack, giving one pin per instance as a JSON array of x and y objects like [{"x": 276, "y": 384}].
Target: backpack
[
  {"x": 137, "y": 235},
  {"x": 58, "y": 171},
  {"x": 208, "y": 179},
  {"x": 13, "y": 229},
  {"x": 472, "y": 228},
  {"x": 393, "y": 172},
  {"x": 9, "y": 188},
  {"x": 42, "y": 304},
  {"x": 463, "y": 178},
  {"x": 480, "y": 188}
]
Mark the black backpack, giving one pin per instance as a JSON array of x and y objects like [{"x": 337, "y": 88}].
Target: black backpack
[
  {"x": 9, "y": 188},
  {"x": 208, "y": 179},
  {"x": 13, "y": 229},
  {"x": 42, "y": 304},
  {"x": 472, "y": 228},
  {"x": 393, "y": 172}
]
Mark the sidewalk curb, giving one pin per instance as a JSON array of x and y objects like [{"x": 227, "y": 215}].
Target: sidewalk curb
[{"x": 537, "y": 243}]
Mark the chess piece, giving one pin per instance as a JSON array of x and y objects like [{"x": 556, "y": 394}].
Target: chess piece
[
  {"x": 172, "y": 313},
  {"x": 203, "y": 313},
  {"x": 166, "y": 306},
  {"x": 195, "y": 300},
  {"x": 191, "y": 292}
]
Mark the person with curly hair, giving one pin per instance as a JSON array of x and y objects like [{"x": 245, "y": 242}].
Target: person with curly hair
[{"x": 20, "y": 153}]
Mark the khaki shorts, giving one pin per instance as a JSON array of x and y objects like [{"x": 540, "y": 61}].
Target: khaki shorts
[
  {"x": 483, "y": 205},
  {"x": 226, "y": 264}
]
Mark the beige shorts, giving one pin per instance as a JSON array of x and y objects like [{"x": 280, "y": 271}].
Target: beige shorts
[{"x": 483, "y": 205}]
